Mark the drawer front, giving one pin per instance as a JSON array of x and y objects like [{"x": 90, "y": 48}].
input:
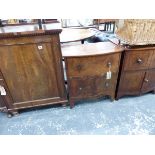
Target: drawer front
[
  {"x": 135, "y": 60},
  {"x": 84, "y": 87},
  {"x": 87, "y": 87},
  {"x": 92, "y": 66}
]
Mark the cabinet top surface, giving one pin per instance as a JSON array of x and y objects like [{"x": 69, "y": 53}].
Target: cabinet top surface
[
  {"x": 24, "y": 30},
  {"x": 90, "y": 49}
]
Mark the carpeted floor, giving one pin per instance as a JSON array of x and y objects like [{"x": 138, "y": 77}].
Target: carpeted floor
[{"x": 127, "y": 116}]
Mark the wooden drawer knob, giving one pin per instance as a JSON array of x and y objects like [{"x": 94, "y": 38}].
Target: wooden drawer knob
[
  {"x": 139, "y": 61},
  {"x": 109, "y": 64},
  {"x": 146, "y": 80}
]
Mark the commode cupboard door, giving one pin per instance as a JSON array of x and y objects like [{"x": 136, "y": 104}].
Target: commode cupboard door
[
  {"x": 130, "y": 83},
  {"x": 149, "y": 81},
  {"x": 32, "y": 73}
]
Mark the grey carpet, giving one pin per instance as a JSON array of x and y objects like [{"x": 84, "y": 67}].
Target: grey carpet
[{"x": 127, "y": 116}]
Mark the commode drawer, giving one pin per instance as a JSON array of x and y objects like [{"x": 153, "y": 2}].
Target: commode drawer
[
  {"x": 135, "y": 60},
  {"x": 93, "y": 65},
  {"x": 85, "y": 87}
]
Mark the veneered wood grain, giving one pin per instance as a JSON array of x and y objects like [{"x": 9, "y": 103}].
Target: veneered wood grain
[
  {"x": 32, "y": 76},
  {"x": 132, "y": 57},
  {"x": 91, "y": 49}
]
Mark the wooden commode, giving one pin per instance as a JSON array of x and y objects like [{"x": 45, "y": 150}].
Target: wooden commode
[
  {"x": 92, "y": 70},
  {"x": 138, "y": 71}
]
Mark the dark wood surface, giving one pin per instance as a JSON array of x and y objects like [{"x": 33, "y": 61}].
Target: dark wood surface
[
  {"x": 26, "y": 30},
  {"x": 137, "y": 74},
  {"x": 91, "y": 49},
  {"x": 86, "y": 70},
  {"x": 31, "y": 71}
]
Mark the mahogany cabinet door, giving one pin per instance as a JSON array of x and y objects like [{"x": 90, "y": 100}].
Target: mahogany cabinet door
[
  {"x": 130, "y": 83},
  {"x": 149, "y": 81},
  {"x": 33, "y": 73},
  {"x": 136, "y": 60}
]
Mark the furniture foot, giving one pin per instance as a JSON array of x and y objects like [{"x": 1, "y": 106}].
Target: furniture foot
[
  {"x": 64, "y": 105},
  {"x": 14, "y": 112},
  {"x": 9, "y": 115},
  {"x": 112, "y": 97},
  {"x": 118, "y": 97},
  {"x": 71, "y": 104},
  {"x": 4, "y": 110}
]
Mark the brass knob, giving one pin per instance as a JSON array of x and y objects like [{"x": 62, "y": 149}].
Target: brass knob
[
  {"x": 40, "y": 47},
  {"x": 139, "y": 61},
  {"x": 146, "y": 80},
  {"x": 109, "y": 64},
  {"x": 80, "y": 88}
]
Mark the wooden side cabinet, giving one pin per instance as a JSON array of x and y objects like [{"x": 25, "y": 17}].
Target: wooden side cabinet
[
  {"x": 87, "y": 67},
  {"x": 138, "y": 72},
  {"x": 31, "y": 70}
]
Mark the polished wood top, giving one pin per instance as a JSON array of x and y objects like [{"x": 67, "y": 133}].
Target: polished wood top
[
  {"x": 75, "y": 34},
  {"x": 90, "y": 49},
  {"x": 26, "y": 30}
]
